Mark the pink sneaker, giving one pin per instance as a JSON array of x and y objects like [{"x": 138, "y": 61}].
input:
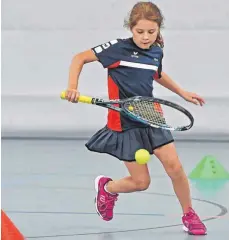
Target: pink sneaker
[
  {"x": 104, "y": 201},
  {"x": 193, "y": 224}
]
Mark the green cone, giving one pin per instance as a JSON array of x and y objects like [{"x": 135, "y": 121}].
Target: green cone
[{"x": 209, "y": 168}]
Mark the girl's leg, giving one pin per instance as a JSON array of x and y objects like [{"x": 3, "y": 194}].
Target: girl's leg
[
  {"x": 139, "y": 180},
  {"x": 108, "y": 189},
  {"x": 168, "y": 156}
]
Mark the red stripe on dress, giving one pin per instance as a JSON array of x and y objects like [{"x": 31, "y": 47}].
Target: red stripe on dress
[
  {"x": 114, "y": 65},
  {"x": 113, "y": 120}
]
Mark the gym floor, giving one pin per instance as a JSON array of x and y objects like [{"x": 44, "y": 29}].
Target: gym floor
[{"x": 48, "y": 192}]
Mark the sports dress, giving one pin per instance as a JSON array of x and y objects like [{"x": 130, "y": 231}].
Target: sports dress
[{"x": 131, "y": 71}]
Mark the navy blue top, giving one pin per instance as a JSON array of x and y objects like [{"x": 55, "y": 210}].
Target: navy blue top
[{"x": 131, "y": 71}]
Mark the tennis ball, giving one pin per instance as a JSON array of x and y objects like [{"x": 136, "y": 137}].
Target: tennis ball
[
  {"x": 142, "y": 156},
  {"x": 131, "y": 108}
]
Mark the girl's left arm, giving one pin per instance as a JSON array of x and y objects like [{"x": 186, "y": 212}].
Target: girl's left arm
[{"x": 168, "y": 83}]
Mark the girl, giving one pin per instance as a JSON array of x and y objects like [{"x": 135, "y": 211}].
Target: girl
[{"x": 133, "y": 64}]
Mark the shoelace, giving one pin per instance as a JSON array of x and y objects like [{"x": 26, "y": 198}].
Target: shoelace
[
  {"x": 195, "y": 221},
  {"x": 109, "y": 204}
]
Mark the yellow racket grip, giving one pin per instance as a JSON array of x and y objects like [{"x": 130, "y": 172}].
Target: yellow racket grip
[
  {"x": 82, "y": 99},
  {"x": 85, "y": 99},
  {"x": 63, "y": 95}
]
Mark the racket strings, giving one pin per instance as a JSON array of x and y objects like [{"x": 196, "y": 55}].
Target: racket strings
[{"x": 149, "y": 111}]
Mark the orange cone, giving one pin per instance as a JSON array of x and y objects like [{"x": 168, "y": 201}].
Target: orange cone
[{"x": 8, "y": 230}]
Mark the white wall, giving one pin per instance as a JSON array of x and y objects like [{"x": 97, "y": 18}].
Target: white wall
[{"x": 39, "y": 39}]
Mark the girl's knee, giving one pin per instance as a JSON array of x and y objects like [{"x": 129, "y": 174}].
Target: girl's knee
[
  {"x": 174, "y": 170},
  {"x": 142, "y": 184}
]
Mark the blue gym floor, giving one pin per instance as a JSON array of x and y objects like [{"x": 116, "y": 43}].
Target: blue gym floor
[{"x": 48, "y": 192}]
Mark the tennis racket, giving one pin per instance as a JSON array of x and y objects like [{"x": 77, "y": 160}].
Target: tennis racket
[{"x": 154, "y": 112}]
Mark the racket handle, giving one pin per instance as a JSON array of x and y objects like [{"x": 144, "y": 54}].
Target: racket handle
[
  {"x": 82, "y": 99},
  {"x": 85, "y": 99}
]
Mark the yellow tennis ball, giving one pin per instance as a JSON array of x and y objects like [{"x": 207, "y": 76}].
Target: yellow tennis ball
[
  {"x": 142, "y": 156},
  {"x": 131, "y": 108}
]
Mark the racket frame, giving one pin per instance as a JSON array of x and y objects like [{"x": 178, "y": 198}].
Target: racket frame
[{"x": 110, "y": 104}]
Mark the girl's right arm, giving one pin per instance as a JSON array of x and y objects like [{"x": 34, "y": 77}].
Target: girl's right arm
[{"x": 75, "y": 69}]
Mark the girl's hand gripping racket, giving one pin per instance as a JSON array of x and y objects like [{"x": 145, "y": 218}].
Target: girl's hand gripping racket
[{"x": 153, "y": 112}]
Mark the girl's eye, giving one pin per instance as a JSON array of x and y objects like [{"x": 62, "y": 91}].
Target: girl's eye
[{"x": 150, "y": 32}]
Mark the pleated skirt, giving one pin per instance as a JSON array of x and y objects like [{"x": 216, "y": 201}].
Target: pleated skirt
[{"x": 123, "y": 145}]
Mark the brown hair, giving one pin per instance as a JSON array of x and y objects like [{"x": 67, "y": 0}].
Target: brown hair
[{"x": 148, "y": 11}]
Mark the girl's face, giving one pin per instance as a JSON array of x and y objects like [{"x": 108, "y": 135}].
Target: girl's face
[{"x": 145, "y": 33}]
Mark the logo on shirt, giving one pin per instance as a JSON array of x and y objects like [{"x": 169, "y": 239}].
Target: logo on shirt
[{"x": 135, "y": 55}]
